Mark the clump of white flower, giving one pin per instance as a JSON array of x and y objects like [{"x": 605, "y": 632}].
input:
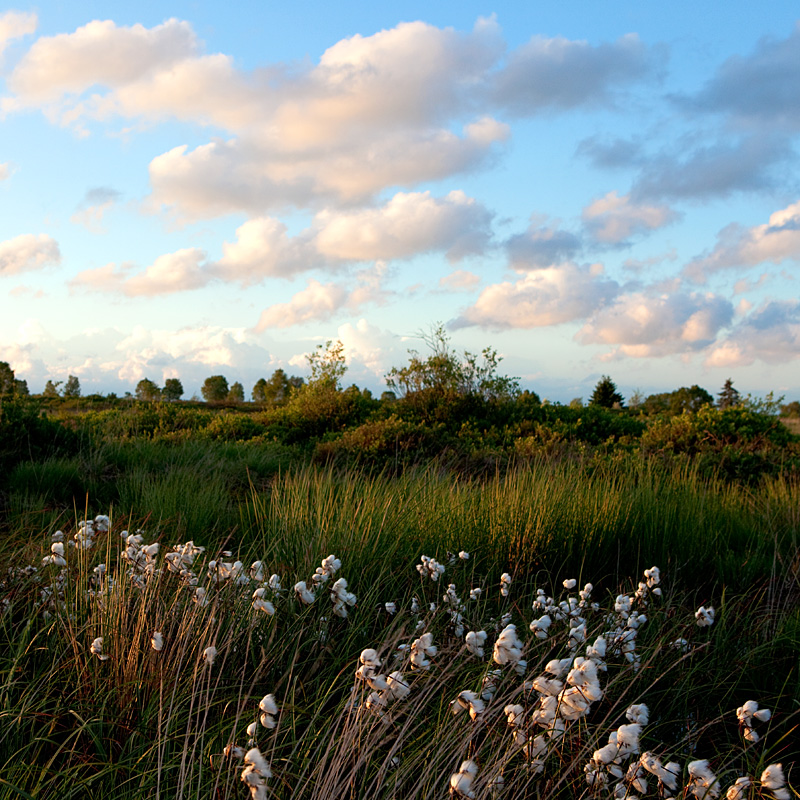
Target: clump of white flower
[
  {"x": 461, "y": 781},
  {"x": 508, "y": 649},
  {"x": 96, "y": 649},
  {"x": 475, "y": 641},
  {"x": 747, "y": 714},
  {"x": 422, "y": 650},
  {"x": 430, "y": 568},
  {"x": 255, "y": 774},
  {"x": 56, "y": 556},
  {"x": 474, "y": 594},
  {"x": 703, "y": 782},
  {"x": 269, "y": 710},
  {"x": 305, "y": 596},
  {"x": 505, "y": 584},
  {"x": 773, "y": 780},
  {"x": 470, "y": 701},
  {"x": 463, "y": 555},
  {"x": 570, "y": 583},
  {"x": 330, "y": 566},
  {"x": 739, "y": 789},
  {"x": 209, "y": 654},
  {"x": 667, "y": 774},
  {"x": 157, "y": 641},
  {"x": 341, "y": 597},
  {"x": 704, "y": 616},
  {"x": 260, "y": 604}
]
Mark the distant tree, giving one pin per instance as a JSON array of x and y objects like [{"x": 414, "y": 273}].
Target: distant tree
[
  {"x": 690, "y": 399},
  {"x": 215, "y": 389},
  {"x": 173, "y": 390},
  {"x": 728, "y": 396},
  {"x": 51, "y": 389},
  {"x": 21, "y": 388},
  {"x": 388, "y": 397},
  {"x": 6, "y": 379},
  {"x": 576, "y": 402},
  {"x": 72, "y": 388},
  {"x": 147, "y": 390},
  {"x": 606, "y": 395},
  {"x": 274, "y": 391},
  {"x": 295, "y": 383},
  {"x": 236, "y": 393},
  {"x": 328, "y": 365},
  {"x": 636, "y": 400},
  {"x": 791, "y": 409}
]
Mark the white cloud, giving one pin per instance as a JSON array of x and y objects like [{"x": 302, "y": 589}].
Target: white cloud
[
  {"x": 407, "y": 225},
  {"x": 368, "y": 345},
  {"x": 775, "y": 242},
  {"x": 94, "y": 206},
  {"x": 541, "y": 298},
  {"x": 646, "y": 325},
  {"x": 541, "y": 246},
  {"x": 28, "y": 252},
  {"x": 14, "y": 25},
  {"x": 316, "y": 302},
  {"x": 5, "y": 171},
  {"x": 613, "y": 219}
]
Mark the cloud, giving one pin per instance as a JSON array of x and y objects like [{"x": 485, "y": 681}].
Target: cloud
[
  {"x": 614, "y": 154},
  {"x": 368, "y": 345},
  {"x": 99, "y": 53},
  {"x": 316, "y": 302},
  {"x": 5, "y": 171},
  {"x": 771, "y": 334},
  {"x": 612, "y": 219},
  {"x": 645, "y": 325},
  {"x": 762, "y": 88},
  {"x": 541, "y": 246},
  {"x": 93, "y": 207},
  {"x": 745, "y": 164},
  {"x": 460, "y": 280},
  {"x": 15, "y": 25},
  {"x": 775, "y": 242},
  {"x": 541, "y": 298},
  {"x": 560, "y": 73},
  {"x": 409, "y": 224},
  {"x": 180, "y": 271},
  {"x": 28, "y": 252}
]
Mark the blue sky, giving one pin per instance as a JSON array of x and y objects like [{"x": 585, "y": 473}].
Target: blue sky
[{"x": 589, "y": 188}]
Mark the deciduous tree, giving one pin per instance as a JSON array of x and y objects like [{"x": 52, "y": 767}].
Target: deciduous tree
[
  {"x": 147, "y": 390},
  {"x": 72, "y": 388},
  {"x": 215, "y": 389},
  {"x": 173, "y": 390}
]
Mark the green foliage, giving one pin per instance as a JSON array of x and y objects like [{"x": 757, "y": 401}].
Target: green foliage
[
  {"x": 173, "y": 390},
  {"x": 236, "y": 393},
  {"x": 215, "y": 389},
  {"x": 147, "y": 390},
  {"x": 51, "y": 389},
  {"x": 605, "y": 394},
  {"x": 689, "y": 399},
  {"x": 72, "y": 388},
  {"x": 445, "y": 374},
  {"x": 728, "y": 396},
  {"x": 328, "y": 366},
  {"x": 276, "y": 390},
  {"x": 7, "y": 387},
  {"x": 791, "y": 409}
]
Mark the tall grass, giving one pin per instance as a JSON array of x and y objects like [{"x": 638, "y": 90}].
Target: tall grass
[{"x": 156, "y": 723}]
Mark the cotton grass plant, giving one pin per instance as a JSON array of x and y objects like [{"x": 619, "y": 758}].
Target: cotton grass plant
[{"x": 196, "y": 636}]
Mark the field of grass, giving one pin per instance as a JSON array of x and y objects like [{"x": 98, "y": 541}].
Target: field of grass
[{"x": 147, "y": 722}]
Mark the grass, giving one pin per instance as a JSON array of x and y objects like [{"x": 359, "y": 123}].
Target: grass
[{"x": 156, "y": 723}]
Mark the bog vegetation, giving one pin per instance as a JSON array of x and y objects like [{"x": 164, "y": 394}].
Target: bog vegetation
[{"x": 455, "y": 589}]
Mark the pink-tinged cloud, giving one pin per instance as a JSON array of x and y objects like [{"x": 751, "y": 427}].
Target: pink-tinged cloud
[
  {"x": 612, "y": 219},
  {"x": 650, "y": 325},
  {"x": 316, "y": 302},
  {"x": 774, "y": 242},
  {"x": 28, "y": 252},
  {"x": 542, "y": 297},
  {"x": 15, "y": 25}
]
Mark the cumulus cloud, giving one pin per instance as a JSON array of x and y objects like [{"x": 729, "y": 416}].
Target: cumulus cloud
[
  {"x": 771, "y": 333},
  {"x": 316, "y": 302},
  {"x": 763, "y": 87},
  {"x": 649, "y": 325},
  {"x": 540, "y": 298},
  {"x": 180, "y": 271},
  {"x": 15, "y": 25},
  {"x": 541, "y": 246},
  {"x": 405, "y": 105},
  {"x": 560, "y": 73},
  {"x": 368, "y": 345},
  {"x": 774, "y": 242},
  {"x": 612, "y": 219},
  {"x": 5, "y": 171},
  {"x": 28, "y": 252}
]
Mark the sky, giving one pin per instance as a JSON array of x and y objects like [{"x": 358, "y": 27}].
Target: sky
[{"x": 191, "y": 189}]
